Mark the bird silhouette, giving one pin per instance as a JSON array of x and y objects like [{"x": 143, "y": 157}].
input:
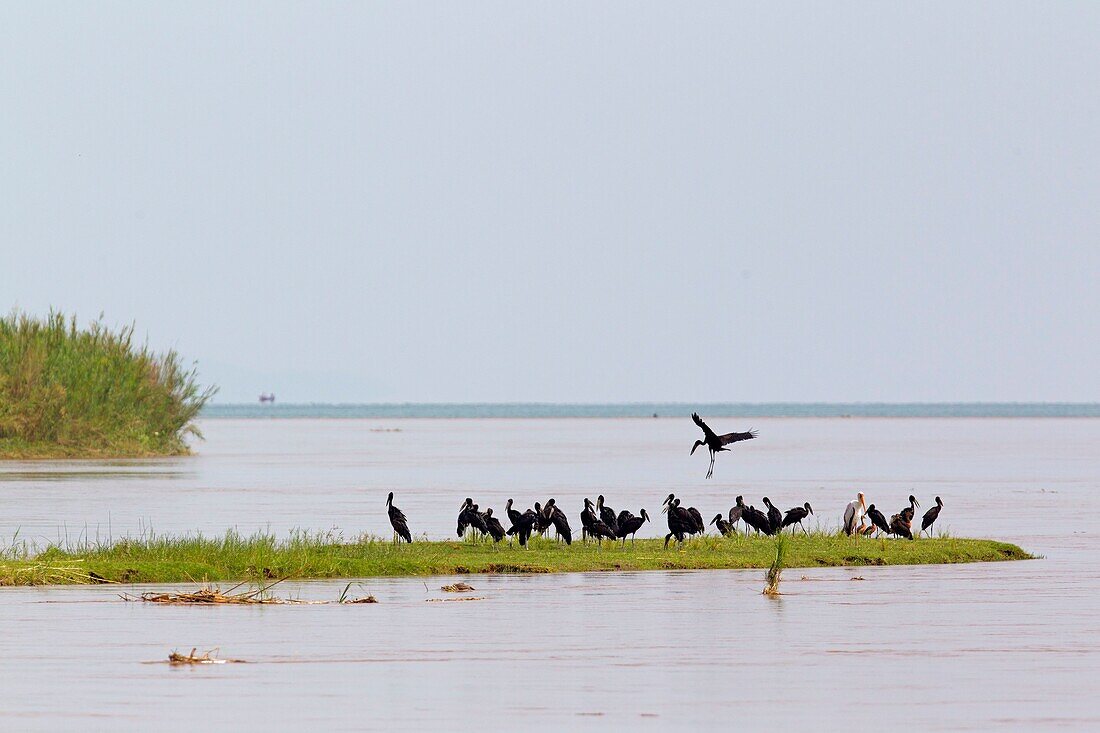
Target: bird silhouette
[
  {"x": 931, "y": 515},
  {"x": 716, "y": 443},
  {"x": 398, "y": 521}
]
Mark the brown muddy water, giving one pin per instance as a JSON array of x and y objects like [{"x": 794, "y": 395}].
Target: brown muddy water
[{"x": 1012, "y": 646}]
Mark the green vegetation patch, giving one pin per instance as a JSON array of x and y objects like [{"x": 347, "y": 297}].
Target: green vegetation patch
[
  {"x": 303, "y": 555},
  {"x": 90, "y": 393}
]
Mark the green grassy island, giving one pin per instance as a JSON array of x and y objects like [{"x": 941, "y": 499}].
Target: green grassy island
[
  {"x": 67, "y": 392},
  {"x": 302, "y": 556}
]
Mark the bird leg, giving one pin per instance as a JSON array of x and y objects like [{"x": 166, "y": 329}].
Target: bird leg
[{"x": 710, "y": 470}]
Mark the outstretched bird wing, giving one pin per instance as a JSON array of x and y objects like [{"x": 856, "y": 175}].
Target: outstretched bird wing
[
  {"x": 735, "y": 437},
  {"x": 699, "y": 421}
]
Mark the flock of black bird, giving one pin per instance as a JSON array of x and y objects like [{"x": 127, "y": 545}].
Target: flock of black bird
[{"x": 600, "y": 522}]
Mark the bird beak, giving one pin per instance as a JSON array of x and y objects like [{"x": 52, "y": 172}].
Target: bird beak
[
  {"x": 810, "y": 508},
  {"x": 665, "y": 509}
]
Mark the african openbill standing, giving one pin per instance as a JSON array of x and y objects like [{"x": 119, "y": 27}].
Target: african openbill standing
[
  {"x": 593, "y": 526},
  {"x": 877, "y": 519},
  {"x": 630, "y": 524},
  {"x": 931, "y": 515},
  {"x": 680, "y": 521},
  {"x": 756, "y": 519},
  {"x": 493, "y": 525},
  {"x": 901, "y": 527},
  {"x": 469, "y": 516},
  {"x": 397, "y": 521},
  {"x": 723, "y": 526},
  {"x": 607, "y": 514},
  {"x": 775, "y": 517},
  {"x": 522, "y": 523},
  {"x": 796, "y": 515},
  {"x": 853, "y": 515},
  {"x": 559, "y": 520},
  {"x": 716, "y": 443},
  {"x": 542, "y": 519},
  {"x": 736, "y": 511},
  {"x": 910, "y": 511}
]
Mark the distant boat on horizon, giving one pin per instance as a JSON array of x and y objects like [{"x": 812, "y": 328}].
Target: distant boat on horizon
[{"x": 267, "y": 397}]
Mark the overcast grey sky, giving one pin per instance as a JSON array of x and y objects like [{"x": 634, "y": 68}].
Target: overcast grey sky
[{"x": 555, "y": 201}]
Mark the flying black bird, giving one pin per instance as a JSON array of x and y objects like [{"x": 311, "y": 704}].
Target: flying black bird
[
  {"x": 775, "y": 517},
  {"x": 593, "y": 526},
  {"x": 877, "y": 519},
  {"x": 397, "y": 521},
  {"x": 716, "y": 443},
  {"x": 559, "y": 520},
  {"x": 607, "y": 514},
  {"x": 931, "y": 515},
  {"x": 796, "y": 515},
  {"x": 723, "y": 526},
  {"x": 630, "y": 524},
  {"x": 496, "y": 529}
]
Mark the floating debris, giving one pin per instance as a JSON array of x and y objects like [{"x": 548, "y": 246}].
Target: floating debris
[
  {"x": 452, "y": 600},
  {"x": 214, "y": 596},
  {"x": 365, "y": 599},
  {"x": 206, "y": 658},
  {"x": 458, "y": 588},
  {"x": 859, "y": 577}
]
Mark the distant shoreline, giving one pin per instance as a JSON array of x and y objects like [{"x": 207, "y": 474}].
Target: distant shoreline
[{"x": 649, "y": 410}]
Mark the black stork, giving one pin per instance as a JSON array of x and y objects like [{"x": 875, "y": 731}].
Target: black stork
[
  {"x": 775, "y": 517},
  {"x": 592, "y": 525},
  {"x": 559, "y": 520},
  {"x": 796, "y": 515},
  {"x": 931, "y": 515},
  {"x": 723, "y": 526},
  {"x": 714, "y": 442},
  {"x": 877, "y": 519},
  {"x": 493, "y": 525},
  {"x": 607, "y": 514},
  {"x": 736, "y": 511},
  {"x": 630, "y": 524},
  {"x": 398, "y": 521}
]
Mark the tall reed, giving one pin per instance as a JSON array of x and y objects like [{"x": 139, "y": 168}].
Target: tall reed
[
  {"x": 66, "y": 390},
  {"x": 772, "y": 576}
]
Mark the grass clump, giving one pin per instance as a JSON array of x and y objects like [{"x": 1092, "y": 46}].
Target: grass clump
[
  {"x": 775, "y": 570},
  {"x": 262, "y": 557},
  {"x": 72, "y": 392}
]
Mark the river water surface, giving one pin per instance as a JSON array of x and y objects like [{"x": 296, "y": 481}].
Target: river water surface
[{"x": 974, "y": 647}]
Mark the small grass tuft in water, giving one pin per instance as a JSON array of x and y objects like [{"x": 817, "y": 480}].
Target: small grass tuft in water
[{"x": 771, "y": 578}]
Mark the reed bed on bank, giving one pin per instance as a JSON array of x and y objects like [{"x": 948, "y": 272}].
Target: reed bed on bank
[
  {"x": 300, "y": 555},
  {"x": 67, "y": 391}
]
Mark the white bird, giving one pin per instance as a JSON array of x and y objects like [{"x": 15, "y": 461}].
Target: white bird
[{"x": 854, "y": 514}]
